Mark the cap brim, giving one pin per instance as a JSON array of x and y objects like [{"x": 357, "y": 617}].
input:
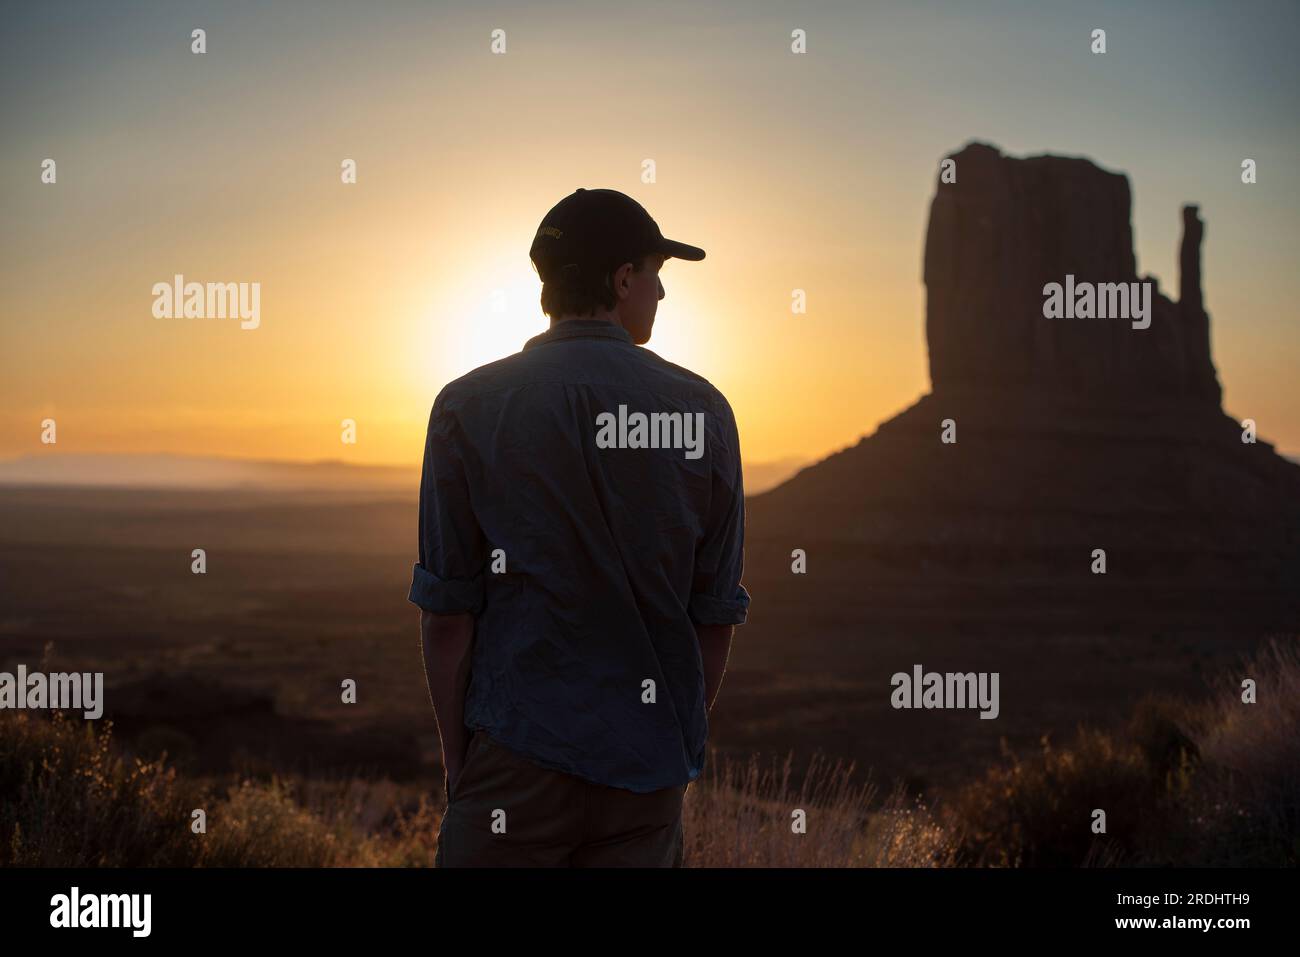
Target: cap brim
[{"x": 675, "y": 250}]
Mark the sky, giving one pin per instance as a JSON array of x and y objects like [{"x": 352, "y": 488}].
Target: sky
[{"x": 810, "y": 171}]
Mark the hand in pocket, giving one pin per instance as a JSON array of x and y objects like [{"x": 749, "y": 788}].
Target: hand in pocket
[{"x": 455, "y": 773}]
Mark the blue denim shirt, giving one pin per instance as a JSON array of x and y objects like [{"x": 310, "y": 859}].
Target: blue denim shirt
[{"x": 585, "y": 553}]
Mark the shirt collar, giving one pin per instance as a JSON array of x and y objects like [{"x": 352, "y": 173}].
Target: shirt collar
[{"x": 580, "y": 329}]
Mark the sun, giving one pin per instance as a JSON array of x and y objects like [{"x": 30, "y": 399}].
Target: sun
[
  {"x": 496, "y": 310},
  {"x": 488, "y": 317},
  {"x": 497, "y": 321}
]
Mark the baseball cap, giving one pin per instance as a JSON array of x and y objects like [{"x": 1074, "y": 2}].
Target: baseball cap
[{"x": 595, "y": 229}]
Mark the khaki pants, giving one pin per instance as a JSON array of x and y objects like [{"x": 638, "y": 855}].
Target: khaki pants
[{"x": 508, "y": 812}]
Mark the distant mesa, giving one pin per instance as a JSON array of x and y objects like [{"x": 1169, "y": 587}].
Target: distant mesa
[
  {"x": 164, "y": 471},
  {"x": 1009, "y": 226},
  {"x": 185, "y": 472},
  {"x": 1071, "y": 434}
]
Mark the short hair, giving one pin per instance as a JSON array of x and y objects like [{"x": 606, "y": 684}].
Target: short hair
[{"x": 577, "y": 292}]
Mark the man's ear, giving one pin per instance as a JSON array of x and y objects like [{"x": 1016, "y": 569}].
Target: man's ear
[{"x": 618, "y": 278}]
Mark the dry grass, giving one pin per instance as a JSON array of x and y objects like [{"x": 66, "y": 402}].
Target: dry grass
[
  {"x": 1251, "y": 804},
  {"x": 70, "y": 800},
  {"x": 742, "y": 815},
  {"x": 1216, "y": 783},
  {"x": 73, "y": 800}
]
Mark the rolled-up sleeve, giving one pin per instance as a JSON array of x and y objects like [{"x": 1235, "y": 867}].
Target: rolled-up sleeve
[
  {"x": 717, "y": 595},
  {"x": 448, "y": 578}
]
